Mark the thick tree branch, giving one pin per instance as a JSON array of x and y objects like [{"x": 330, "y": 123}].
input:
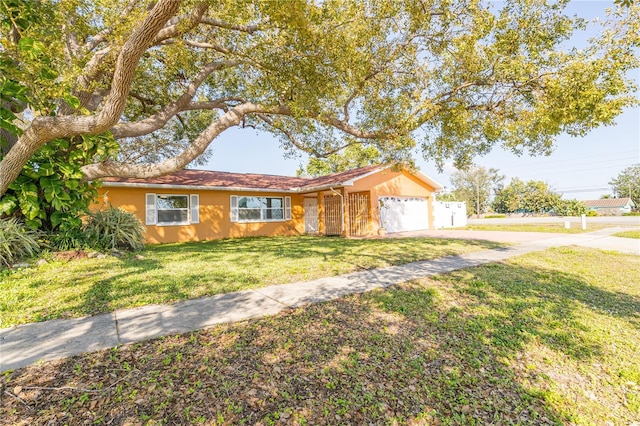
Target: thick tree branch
[
  {"x": 177, "y": 26},
  {"x": 353, "y": 130},
  {"x": 71, "y": 40},
  {"x": 232, "y": 118},
  {"x": 220, "y": 103},
  {"x": 197, "y": 44},
  {"x": 250, "y": 29},
  {"x": 157, "y": 121}
]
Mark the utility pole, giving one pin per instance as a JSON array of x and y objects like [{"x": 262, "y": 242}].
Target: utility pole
[{"x": 477, "y": 197}]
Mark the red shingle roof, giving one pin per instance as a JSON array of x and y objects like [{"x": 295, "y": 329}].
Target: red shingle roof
[
  {"x": 218, "y": 179},
  {"x": 608, "y": 203},
  {"x": 340, "y": 178},
  {"x": 207, "y": 178}
]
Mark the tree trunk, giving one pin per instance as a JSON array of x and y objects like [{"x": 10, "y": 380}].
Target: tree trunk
[{"x": 45, "y": 129}]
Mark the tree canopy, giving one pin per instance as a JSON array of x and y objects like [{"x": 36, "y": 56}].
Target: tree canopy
[
  {"x": 162, "y": 79},
  {"x": 351, "y": 157},
  {"x": 476, "y": 185},
  {"x": 627, "y": 183},
  {"x": 534, "y": 196}
]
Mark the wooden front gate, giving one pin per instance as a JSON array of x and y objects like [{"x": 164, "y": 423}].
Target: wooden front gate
[
  {"x": 332, "y": 215},
  {"x": 358, "y": 214}
]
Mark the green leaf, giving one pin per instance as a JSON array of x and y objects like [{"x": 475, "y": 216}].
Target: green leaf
[
  {"x": 48, "y": 188},
  {"x": 72, "y": 101},
  {"x": 31, "y": 47},
  {"x": 30, "y": 208},
  {"x": 60, "y": 143},
  {"x": 67, "y": 169},
  {"x": 30, "y": 190},
  {"x": 56, "y": 218},
  {"x": 33, "y": 223},
  {"x": 10, "y": 90},
  {"x": 72, "y": 184},
  {"x": 47, "y": 73},
  {"x": 8, "y": 203},
  {"x": 8, "y": 126},
  {"x": 46, "y": 169},
  {"x": 87, "y": 143}
]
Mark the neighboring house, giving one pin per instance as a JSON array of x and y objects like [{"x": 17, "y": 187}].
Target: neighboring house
[
  {"x": 194, "y": 205},
  {"x": 449, "y": 214},
  {"x": 611, "y": 206}
]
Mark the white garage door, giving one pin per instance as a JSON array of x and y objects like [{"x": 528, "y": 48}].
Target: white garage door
[{"x": 400, "y": 214}]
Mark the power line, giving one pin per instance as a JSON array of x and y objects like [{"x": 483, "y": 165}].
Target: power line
[
  {"x": 582, "y": 190},
  {"x": 572, "y": 161},
  {"x": 617, "y": 161}
]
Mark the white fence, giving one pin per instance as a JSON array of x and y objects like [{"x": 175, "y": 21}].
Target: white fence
[{"x": 449, "y": 214}]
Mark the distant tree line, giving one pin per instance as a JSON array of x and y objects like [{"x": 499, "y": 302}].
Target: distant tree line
[
  {"x": 483, "y": 190},
  {"x": 627, "y": 184},
  {"x": 534, "y": 196}
]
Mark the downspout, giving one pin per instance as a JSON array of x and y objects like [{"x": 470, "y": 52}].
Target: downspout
[{"x": 342, "y": 208}]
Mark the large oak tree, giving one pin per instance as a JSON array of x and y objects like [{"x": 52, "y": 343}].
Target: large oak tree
[{"x": 165, "y": 78}]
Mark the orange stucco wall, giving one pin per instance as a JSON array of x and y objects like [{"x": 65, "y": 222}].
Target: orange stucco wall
[
  {"x": 215, "y": 211},
  {"x": 215, "y": 220},
  {"x": 383, "y": 183}
]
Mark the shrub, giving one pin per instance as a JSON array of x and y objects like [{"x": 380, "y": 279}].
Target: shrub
[
  {"x": 495, "y": 216},
  {"x": 114, "y": 229},
  {"x": 592, "y": 213},
  {"x": 69, "y": 235},
  {"x": 570, "y": 208},
  {"x": 16, "y": 241}
]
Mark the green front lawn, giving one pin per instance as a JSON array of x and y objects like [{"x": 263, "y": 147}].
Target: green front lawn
[
  {"x": 548, "y": 338},
  {"x": 542, "y": 227},
  {"x": 172, "y": 272},
  {"x": 627, "y": 234}
]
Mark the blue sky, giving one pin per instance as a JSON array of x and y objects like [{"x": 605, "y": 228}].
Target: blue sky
[{"x": 579, "y": 167}]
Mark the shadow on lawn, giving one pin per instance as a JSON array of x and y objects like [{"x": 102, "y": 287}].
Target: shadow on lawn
[
  {"x": 101, "y": 294},
  {"x": 153, "y": 275},
  {"x": 248, "y": 253},
  {"x": 430, "y": 350}
]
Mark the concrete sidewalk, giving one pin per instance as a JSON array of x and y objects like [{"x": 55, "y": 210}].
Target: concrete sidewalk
[{"x": 26, "y": 344}]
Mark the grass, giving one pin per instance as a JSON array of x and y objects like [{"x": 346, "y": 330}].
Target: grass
[
  {"x": 548, "y": 338},
  {"x": 173, "y": 272},
  {"x": 531, "y": 227},
  {"x": 628, "y": 234}
]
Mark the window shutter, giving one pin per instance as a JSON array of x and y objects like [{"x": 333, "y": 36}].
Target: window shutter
[
  {"x": 287, "y": 208},
  {"x": 150, "y": 206},
  {"x": 195, "y": 208},
  {"x": 234, "y": 208}
]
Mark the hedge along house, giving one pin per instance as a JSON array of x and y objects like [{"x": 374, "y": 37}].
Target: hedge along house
[{"x": 194, "y": 205}]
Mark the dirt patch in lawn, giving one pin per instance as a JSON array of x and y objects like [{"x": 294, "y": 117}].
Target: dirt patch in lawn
[{"x": 67, "y": 256}]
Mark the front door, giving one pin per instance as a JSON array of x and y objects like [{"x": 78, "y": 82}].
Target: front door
[{"x": 311, "y": 215}]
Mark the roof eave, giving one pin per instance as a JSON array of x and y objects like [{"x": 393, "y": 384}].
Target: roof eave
[
  {"x": 426, "y": 179},
  {"x": 305, "y": 190},
  {"x": 437, "y": 186},
  {"x": 190, "y": 187}
]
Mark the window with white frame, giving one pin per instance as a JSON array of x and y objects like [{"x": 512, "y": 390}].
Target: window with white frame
[
  {"x": 172, "y": 209},
  {"x": 260, "y": 209}
]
